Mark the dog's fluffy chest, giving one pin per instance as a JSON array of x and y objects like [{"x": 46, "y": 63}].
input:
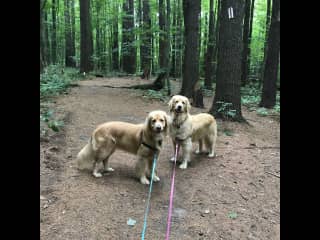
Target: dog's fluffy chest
[{"x": 181, "y": 130}]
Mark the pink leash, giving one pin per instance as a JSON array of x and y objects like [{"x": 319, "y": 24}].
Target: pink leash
[{"x": 171, "y": 193}]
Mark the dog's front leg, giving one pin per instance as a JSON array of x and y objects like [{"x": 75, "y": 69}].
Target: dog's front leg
[
  {"x": 155, "y": 176},
  {"x": 96, "y": 169},
  {"x": 186, "y": 152},
  {"x": 174, "y": 150},
  {"x": 141, "y": 170},
  {"x": 200, "y": 146}
]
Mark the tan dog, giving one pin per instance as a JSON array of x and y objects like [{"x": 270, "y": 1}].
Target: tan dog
[
  {"x": 143, "y": 140},
  {"x": 186, "y": 128}
]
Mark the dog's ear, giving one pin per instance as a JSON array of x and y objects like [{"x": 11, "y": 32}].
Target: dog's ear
[
  {"x": 188, "y": 106},
  {"x": 167, "y": 122},
  {"x": 147, "y": 122},
  {"x": 170, "y": 103}
]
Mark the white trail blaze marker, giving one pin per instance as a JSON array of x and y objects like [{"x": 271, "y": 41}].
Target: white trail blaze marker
[{"x": 230, "y": 12}]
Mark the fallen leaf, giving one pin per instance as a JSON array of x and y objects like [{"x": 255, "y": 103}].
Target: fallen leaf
[
  {"x": 233, "y": 215},
  {"x": 131, "y": 222}
]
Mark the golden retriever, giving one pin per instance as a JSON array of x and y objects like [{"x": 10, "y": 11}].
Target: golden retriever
[
  {"x": 143, "y": 140},
  {"x": 186, "y": 128}
]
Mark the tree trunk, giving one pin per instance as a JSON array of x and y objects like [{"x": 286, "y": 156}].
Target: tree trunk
[
  {"x": 244, "y": 65},
  {"x": 174, "y": 41},
  {"x": 73, "y": 34},
  {"x": 42, "y": 45},
  {"x": 266, "y": 39},
  {"x": 162, "y": 36},
  {"x": 46, "y": 38},
  {"x": 128, "y": 49},
  {"x": 168, "y": 48},
  {"x": 54, "y": 32},
  {"x": 269, "y": 90},
  {"x": 115, "y": 39},
  {"x": 209, "y": 54},
  {"x": 98, "y": 49},
  {"x": 191, "y": 11},
  {"x": 68, "y": 35},
  {"x": 227, "y": 100},
  {"x": 86, "y": 41},
  {"x": 180, "y": 41},
  {"x": 249, "y": 39},
  {"x": 215, "y": 49},
  {"x": 146, "y": 40}
]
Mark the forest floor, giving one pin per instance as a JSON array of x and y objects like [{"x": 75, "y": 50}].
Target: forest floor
[{"x": 235, "y": 195}]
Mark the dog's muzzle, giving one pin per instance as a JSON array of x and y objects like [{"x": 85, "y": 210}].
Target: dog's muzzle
[{"x": 178, "y": 109}]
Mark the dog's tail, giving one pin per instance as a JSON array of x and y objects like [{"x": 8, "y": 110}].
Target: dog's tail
[{"x": 85, "y": 158}]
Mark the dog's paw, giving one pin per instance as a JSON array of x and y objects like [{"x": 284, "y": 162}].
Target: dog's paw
[
  {"x": 183, "y": 165},
  {"x": 172, "y": 159},
  {"x": 156, "y": 179},
  {"x": 211, "y": 155},
  {"x": 109, "y": 169},
  {"x": 144, "y": 180},
  {"x": 97, "y": 174},
  {"x": 198, "y": 152}
]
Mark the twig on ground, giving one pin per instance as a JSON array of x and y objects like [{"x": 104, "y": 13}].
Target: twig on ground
[{"x": 273, "y": 174}]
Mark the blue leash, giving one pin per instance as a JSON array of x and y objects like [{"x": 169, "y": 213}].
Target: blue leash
[{"x": 149, "y": 196}]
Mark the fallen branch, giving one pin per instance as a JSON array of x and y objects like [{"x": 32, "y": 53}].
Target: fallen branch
[
  {"x": 259, "y": 147},
  {"x": 273, "y": 174}
]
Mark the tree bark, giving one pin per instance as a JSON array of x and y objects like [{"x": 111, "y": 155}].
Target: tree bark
[
  {"x": 209, "y": 54},
  {"x": 146, "y": 40},
  {"x": 73, "y": 34},
  {"x": 249, "y": 39},
  {"x": 174, "y": 41},
  {"x": 128, "y": 49},
  {"x": 266, "y": 39},
  {"x": 54, "y": 32},
  {"x": 86, "y": 41},
  {"x": 168, "y": 48},
  {"x": 47, "y": 55},
  {"x": 98, "y": 49},
  {"x": 227, "y": 100},
  {"x": 162, "y": 36},
  {"x": 115, "y": 39},
  {"x": 244, "y": 65},
  {"x": 42, "y": 45},
  {"x": 69, "y": 62},
  {"x": 191, "y": 11},
  {"x": 269, "y": 89}
]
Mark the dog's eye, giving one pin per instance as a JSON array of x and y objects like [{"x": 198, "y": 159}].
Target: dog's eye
[
  {"x": 183, "y": 102},
  {"x": 161, "y": 120},
  {"x": 177, "y": 101},
  {"x": 153, "y": 120}
]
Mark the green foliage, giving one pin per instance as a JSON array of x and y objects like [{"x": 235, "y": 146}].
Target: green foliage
[
  {"x": 228, "y": 132},
  {"x": 47, "y": 117},
  {"x": 56, "y": 79},
  {"x": 251, "y": 97},
  {"x": 225, "y": 109},
  {"x": 233, "y": 215},
  {"x": 157, "y": 95},
  {"x": 262, "y": 112}
]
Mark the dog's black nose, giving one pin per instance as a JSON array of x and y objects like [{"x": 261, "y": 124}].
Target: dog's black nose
[
  {"x": 158, "y": 128},
  {"x": 179, "y": 107}
]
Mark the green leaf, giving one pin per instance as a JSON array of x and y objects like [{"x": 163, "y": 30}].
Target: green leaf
[{"x": 233, "y": 215}]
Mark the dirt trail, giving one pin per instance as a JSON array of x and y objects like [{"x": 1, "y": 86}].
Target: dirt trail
[{"x": 242, "y": 179}]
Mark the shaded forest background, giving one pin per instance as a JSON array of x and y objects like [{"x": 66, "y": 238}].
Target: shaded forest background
[{"x": 227, "y": 47}]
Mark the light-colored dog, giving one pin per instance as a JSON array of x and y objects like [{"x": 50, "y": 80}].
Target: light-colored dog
[
  {"x": 144, "y": 140},
  {"x": 186, "y": 128}
]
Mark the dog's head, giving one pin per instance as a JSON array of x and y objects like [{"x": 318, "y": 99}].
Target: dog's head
[
  {"x": 179, "y": 104},
  {"x": 157, "y": 121}
]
